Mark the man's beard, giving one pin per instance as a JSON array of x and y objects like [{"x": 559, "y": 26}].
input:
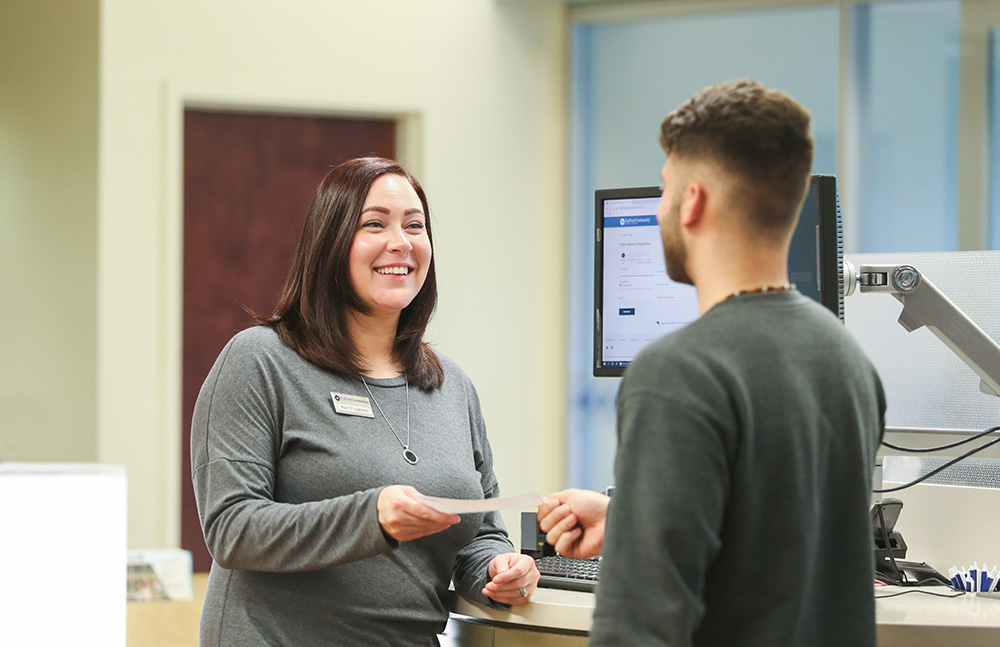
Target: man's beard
[{"x": 674, "y": 250}]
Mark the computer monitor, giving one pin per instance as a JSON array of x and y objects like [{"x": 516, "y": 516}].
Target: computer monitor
[{"x": 636, "y": 302}]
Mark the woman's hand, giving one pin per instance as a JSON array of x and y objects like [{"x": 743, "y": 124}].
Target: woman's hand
[
  {"x": 404, "y": 518},
  {"x": 514, "y": 579}
]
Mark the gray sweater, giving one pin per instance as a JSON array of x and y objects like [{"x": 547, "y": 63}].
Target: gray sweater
[
  {"x": 741, "y": 515},
  {"x": 287, "y": 489}
]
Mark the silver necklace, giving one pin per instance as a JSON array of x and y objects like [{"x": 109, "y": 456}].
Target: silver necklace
[{"x": 408, "y": 454}]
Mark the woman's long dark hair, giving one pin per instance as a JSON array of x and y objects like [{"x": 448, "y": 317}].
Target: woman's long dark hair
[{"x": 311, "y": 314}]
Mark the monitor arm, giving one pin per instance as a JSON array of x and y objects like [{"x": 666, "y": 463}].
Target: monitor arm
[{"x": 925, "y": 305}]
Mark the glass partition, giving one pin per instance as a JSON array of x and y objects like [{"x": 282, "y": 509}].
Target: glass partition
[
  {"x": 904, "y": 77},
  {"x": 994, "y": 126}
]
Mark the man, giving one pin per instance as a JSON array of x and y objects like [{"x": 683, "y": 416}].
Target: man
[{"x": 747, "y": 438}]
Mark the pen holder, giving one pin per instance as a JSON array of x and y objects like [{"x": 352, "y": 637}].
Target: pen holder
[{"x": 975, "y": 579}]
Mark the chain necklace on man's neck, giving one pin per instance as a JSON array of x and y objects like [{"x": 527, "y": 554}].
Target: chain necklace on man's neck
[
  {"x": 408, "y": 454},
  {"x": 764, "y": 289}
]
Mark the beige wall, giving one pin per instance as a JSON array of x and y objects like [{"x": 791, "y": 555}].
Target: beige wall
[
  {"x": 48, "y": 230},
  {"x": 482, "y": 85}
]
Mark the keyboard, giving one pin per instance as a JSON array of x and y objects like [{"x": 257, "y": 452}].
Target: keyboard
[{"x": 560, "y": 572}]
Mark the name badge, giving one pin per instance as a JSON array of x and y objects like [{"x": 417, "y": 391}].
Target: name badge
[{"x": 352, "y": 405}]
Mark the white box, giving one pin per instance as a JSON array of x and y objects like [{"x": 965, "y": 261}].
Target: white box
[{"x": 62, "y": 554}]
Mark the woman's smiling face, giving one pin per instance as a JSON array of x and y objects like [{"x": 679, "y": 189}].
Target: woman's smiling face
[{"x": 391, "y": 252}]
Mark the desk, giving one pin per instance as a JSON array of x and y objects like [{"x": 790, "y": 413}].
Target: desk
[
  {"x": 167, "y": 623},
  {"x": 918, "y": 620},
  {"x": 562, "y": 618}
]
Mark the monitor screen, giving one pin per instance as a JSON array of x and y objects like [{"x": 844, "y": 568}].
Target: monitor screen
[{"x": 636, "y": 302}]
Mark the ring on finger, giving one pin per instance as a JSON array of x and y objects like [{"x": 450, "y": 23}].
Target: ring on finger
[{"x": 523, "y": 592}]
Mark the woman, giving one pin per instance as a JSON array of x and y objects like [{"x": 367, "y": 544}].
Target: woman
[{"x": 316, "y": 431}]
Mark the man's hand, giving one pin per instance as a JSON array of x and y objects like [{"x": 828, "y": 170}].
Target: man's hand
[
  {"x": 514, "y": 579},
  {"x": 573, "y": 522},
  {"x": 404, "y": 518}
]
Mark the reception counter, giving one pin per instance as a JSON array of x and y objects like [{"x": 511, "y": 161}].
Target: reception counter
[
  {"x": 557, "y": 618},
  {"x": 562, "y": 618},
  {"x": 553, "y": 617}
]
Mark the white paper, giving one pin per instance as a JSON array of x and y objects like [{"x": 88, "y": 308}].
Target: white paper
[{"x": 467, "y": 506}]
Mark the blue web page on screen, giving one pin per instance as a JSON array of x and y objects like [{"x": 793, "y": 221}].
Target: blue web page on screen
[{"x": 640, "y": 302}]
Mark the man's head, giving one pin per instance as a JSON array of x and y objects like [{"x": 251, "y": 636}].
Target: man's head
[{"x": 754, "y": 145}]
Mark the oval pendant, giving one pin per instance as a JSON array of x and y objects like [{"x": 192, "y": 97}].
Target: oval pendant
[{"x": 409, "y": 456}]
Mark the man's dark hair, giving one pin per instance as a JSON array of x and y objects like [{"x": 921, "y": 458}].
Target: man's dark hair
[
  {"x": 311, "y": 314},
  {"x": 759, "y": 136}
]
